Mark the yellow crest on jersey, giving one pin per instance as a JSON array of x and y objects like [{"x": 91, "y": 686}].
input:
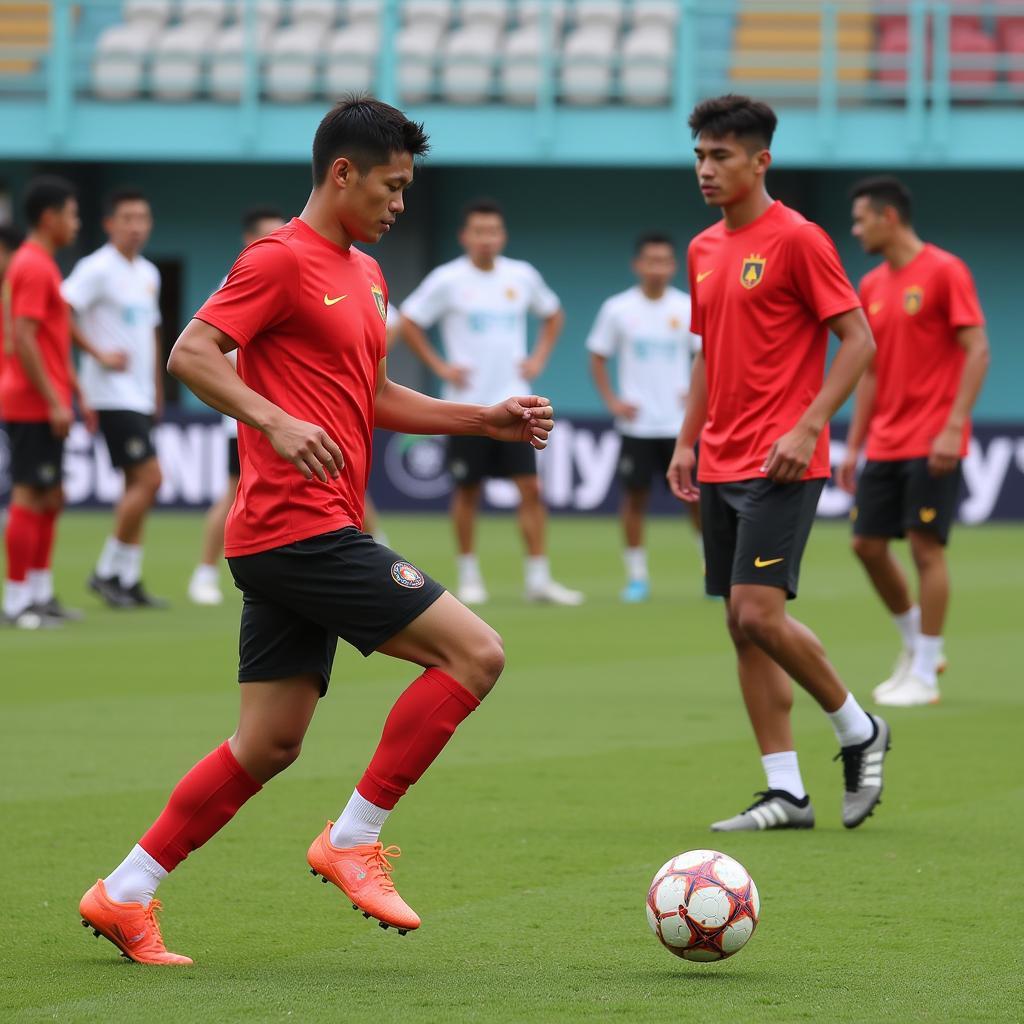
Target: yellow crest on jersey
[
  {"x": 752, "y": 272},
  {"x": 913, "y": 299},
  {"x": 378, "y": 297},
  {"x": 928, "y": 515}
]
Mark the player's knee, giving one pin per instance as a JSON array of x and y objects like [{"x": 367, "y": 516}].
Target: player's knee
[
  {"x": 484, "y": 662},
  {"x": 757, "y": 623},
  {"x": 868, "y": 549},
  {"x": 281, "y": 754},
  {"x": 739, "y": 638},
  {"x": 925, "y": 550}
]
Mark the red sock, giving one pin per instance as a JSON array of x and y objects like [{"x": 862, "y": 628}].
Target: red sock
[
  {"x": 46, "y": 526},
  {"x": 21, "y": 539},
  {"x": 422, "y": 721},
  {"x": 205, "y": 800}
]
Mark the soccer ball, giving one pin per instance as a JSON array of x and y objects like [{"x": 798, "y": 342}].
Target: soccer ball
[{"x": 703, "y": 906}]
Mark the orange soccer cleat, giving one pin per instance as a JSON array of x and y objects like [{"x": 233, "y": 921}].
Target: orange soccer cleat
[
  {"x": 363, "y": 874},
  {"x": 131, "y": 927}
]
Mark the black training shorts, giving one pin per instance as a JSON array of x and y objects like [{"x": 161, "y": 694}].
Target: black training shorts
[
  {"x": 129, "y": 436},
  {"x": 642, "y": 459},
  {"x": 36, "y": 455},
  {"x": 755, "y": 531},
  {"x": 900, "y": 495},
  {"x": 472, "y": 459},
  {"x": 298, "y": 599}
]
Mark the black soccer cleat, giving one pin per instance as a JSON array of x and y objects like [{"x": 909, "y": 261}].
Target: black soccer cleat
[{"x": 109, "y": 589}]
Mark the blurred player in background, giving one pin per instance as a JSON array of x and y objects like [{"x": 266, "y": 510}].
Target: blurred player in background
[
  {"x": 647, "y": 330},
  {"x": 767, "y": 288},
  {"x": 10, "y": 239},
  {"x": 204, "y": 586},
  {"x": 114, "y": 295},
  {"x": 36, "y": 390},
  {"x": 307, "y": 310},
  {"x": 914, "y": 409},
  {"x": 481, "y": 301}
]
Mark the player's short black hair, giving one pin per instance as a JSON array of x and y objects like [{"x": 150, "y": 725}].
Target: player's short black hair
[
  {"x": 481, "y": 205},
  {"x": 124, "y": 194},
  {"x": 10, "y": 237},
  {"x": 366, "y": 131},
  {"x": 885, "y": 190},
  {"x": 47, "y": 192},
  {"x": 653, "y": 238},
  {"x": 252, "y": 217},
  {"x": 748, "y": 119}
]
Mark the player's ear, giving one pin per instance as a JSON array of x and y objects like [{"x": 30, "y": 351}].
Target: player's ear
[
  {"x": 343, "y": 172},
  {"x": 762, "y": 161}
]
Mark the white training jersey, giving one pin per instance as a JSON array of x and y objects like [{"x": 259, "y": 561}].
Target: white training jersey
[
  {"x": 483, "y": 322},
  {"x": 652, "y": 341},
  {"x": 117, "y": 305}
]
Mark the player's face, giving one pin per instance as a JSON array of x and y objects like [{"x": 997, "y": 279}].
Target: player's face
[
  {"x": 370, "y": 202},
  {"x": 484, "y": 237},
  {"x": 130, "y": 225},
  {"x": 261, "y": 229},
  {"x": 655, "y": 266},
  {"x": 63, "y": 224},
  {"x": 871, "y": 227},
  {"x": 727, "y": 170}
]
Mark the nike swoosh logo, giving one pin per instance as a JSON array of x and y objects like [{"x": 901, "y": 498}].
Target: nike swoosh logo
[
  {"x": 759, "y": 563},
  {"x": 704, "y": 273},
  {"x": 331, "y": 302},
  {"x": 875, "y": 307}
]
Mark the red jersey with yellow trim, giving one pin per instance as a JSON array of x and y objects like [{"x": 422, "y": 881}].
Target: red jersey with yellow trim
[
  {"x": 915, "y": 312},
  {"x": 761, "y": 295},
  {"x": 309, "y": 320}
]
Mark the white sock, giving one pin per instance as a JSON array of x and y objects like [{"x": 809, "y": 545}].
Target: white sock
[
  {"x": 909, "y": 625},
  {"x": 130, "y": 565},
  {"x": 135, "y": 879},
  {"x": 17, "y": 597},
  {"x": 636, "y": 564},
  {"x": 783, "y": 772},
  {"x": 537, "y": 571},
  {"x": 360, "y": 823},
  {"x": 206, "y": 574},
  {"x": 469, "y": 569},
  {"x": 40, "y": 582},
  {"x": 109, "y": 562},
  {"x": 852, "y": 723},
  {"x": 927, "y": 655}
]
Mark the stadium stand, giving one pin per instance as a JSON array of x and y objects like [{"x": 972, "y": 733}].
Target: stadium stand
[{"x": 25, "y": 34}]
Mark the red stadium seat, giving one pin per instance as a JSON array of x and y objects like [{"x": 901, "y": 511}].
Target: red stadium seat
[
  {"x": 972, "y": 42},
  {"x": 1009, "y": 24},
  {"x": 1013, "y": 44}
]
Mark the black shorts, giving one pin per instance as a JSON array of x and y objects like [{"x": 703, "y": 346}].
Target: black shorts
[
  {"x": 643, "y": 458},
  {"x": 129, "y": 436},
  {"x": 234, "y": 465},
  {"x": 472, "y": 459},
  {"x": 36, "y": 455},
  {"x": 298, "y": 599},
  {"x": 755, "y": 531},
  {"x": 900, "y": 495}
]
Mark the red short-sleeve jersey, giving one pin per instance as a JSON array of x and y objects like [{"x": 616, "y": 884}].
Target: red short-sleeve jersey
[
  {"x": 761, "y": 295},
  {"x": 32, "y": 288},
  {"x": 309, "y": 320},
  {"x": 915, "y": 313}
]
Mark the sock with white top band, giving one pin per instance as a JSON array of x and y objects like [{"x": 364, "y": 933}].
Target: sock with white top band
[
  {"x": 927, "y": 655},
  {"x": 469, "y": 569},
  {"x": 909, "y": 625},
  {"x": 537, "y": 571},
  {"x": 360, "y": 823},
  {"x": 636, "y": 564},
  {"x": 852, "y": 724},
  {"x": 109, "y": 564},
  {"x": 135, "y": 879},
  {"x": 782, "y": 771}
]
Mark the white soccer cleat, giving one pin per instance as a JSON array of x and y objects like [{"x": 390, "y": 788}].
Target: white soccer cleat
[
  {"x": 899, "y": 673},
  {"x": 472, "y": 593},
  {"x": 204, "y": 592},
  {"x": 911, "y": 692},
  {"x": 554, "y": 593}
]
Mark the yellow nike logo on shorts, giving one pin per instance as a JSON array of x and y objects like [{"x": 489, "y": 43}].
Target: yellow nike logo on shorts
[{"x": 760, "y": 563}]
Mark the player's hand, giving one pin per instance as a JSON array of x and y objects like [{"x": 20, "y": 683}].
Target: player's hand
[
  {"x": 790, "y": 456},
  {"x": 308, "y": 447},
  {"x": 457, "y": 375},
  {"x": 680, "y": 474},
  {"x": 622, "y": 410},
  {"x": 89, "y": 417},
  {"x": 846, "y": 475},
  {"x": 116, "y": 360},
  {"x": 530, "y": 419},
  {"x": 532, "y": 367},
  {"x": 945, "y": 454},
  {"x": 61, "y": 418}
]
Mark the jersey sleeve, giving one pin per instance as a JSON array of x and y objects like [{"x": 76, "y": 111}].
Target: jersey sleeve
[
  {"x": 83, "y": 286},
  {"x": 429, "y": 302},
  {"x": 543, "y": 301},
  {"x": 963, "y": 307},
  {"x": 260, "y": 291},
  {"x": 817, "y": 274},
  {"x": 30, "y": 288},
  {"x": 604, "y": 336}
]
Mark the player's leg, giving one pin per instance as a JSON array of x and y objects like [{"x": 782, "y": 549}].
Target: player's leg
[
  {"x": 464, "y": 510},
  {"x": 21, "y": 540},
  {"x": 142, "y": 482},
  {"x": 634, "y": 471},
  {"x": 204, "y": 586}
]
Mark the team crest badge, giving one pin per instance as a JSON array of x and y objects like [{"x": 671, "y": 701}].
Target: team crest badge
[
  {"x": 510, "y": 294},
  {"x": 913, "y": 300},
  {"x": 378, "y": 297},
  {"x": 753, "y": 271},
  {"x": 928, "y": 515},
  {"x": 675, "y": 323},
  {"x": 406, "y": 575}
]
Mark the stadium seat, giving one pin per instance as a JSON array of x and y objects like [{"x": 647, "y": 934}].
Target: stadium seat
[
  {"x": 351, "y": 59},
  {"x": 973, "y": 56},
  {"x": 589, "y": 52},
  {"x": 657, "y": 13},
  {"x": 317, "y": 14},
  {"x": 606, "y": 13},
  {"x": 177, "y": 65},
  {"x": 293, "y": 63},
  {"x": 1008, "y": 26},
  {"x": 417, "y": 47},
  {"x": 436, "y": 12},
  {"x": 227, "y": 61},
  {"x": 268, "y": 12},
  {"x": 211, "y": 13},
  {"x": 520, "y": 66},
  {"x": 532, "y": 12},
  {"x": 362, "y": 11},
  {"x": 486, "y": 12},
  {"x": 1013, "y": 46},
  {"x": 646, "y": 75},
  {"x": 120, "y": 57},
  {"x": 469, "y": 55},
  {"x": 153, "y": 12}
]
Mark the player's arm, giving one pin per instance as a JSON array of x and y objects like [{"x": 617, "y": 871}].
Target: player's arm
[
  {"x": 26, "y": 351},
  {"x": 791, "y": 454},
  {"x": 528, "y": 418},
  {"x": 158, "y": 370},
  {"x": 197, "y": 360},
  {"x": 863, "y": 404},
  {"x": 602, "y": 381},
  {"x": 945, "y": 453},
  {"x": 684, "y": 458},
  {"x": 114, "y": 360},
  {"x": 550, "y": 331},
  {"x": 416, "y": 338}
]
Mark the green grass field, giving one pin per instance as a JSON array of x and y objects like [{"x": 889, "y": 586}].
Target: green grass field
[{"x": 615, "y": 736}]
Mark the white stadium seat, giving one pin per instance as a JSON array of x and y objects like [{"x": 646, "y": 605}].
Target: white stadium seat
[
  {"x": 608, "y": 13},
  {"x": 655, "y": 12},
  {"x": 120, "y": 58},
  {"x": 520, "y": 67},
  {"x": 177, "y": 67},
  {"x": 154, "y": 12},
  {"x": 438, "y": 12},
  {"x": 363, "y": 11},
  {"x": 212, "y": 13},
  {"x": 646, "y": 74},
  {"x": 587, "y": 65},
  {"x": 227, "y": 62},
  {"x": 351, "y": 59},
  {"x": 417, "y": 46},
  {"x": 484, "y": 12},
  {"x": 319, "y": 14},
  {"x": 533, "y": 12},
  {"x": 268, "y": 12},
  {"x": 293, "y": 64},
  {"x": 469, "y": 57}
]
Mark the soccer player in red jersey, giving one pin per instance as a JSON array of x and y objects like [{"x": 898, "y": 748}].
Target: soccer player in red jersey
[
  {"x": 767, "y": 287},
  {"x": 36, "y": 388},
  {"x": 306, "y": 311},
  {"x": 913, "y": 407}
]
